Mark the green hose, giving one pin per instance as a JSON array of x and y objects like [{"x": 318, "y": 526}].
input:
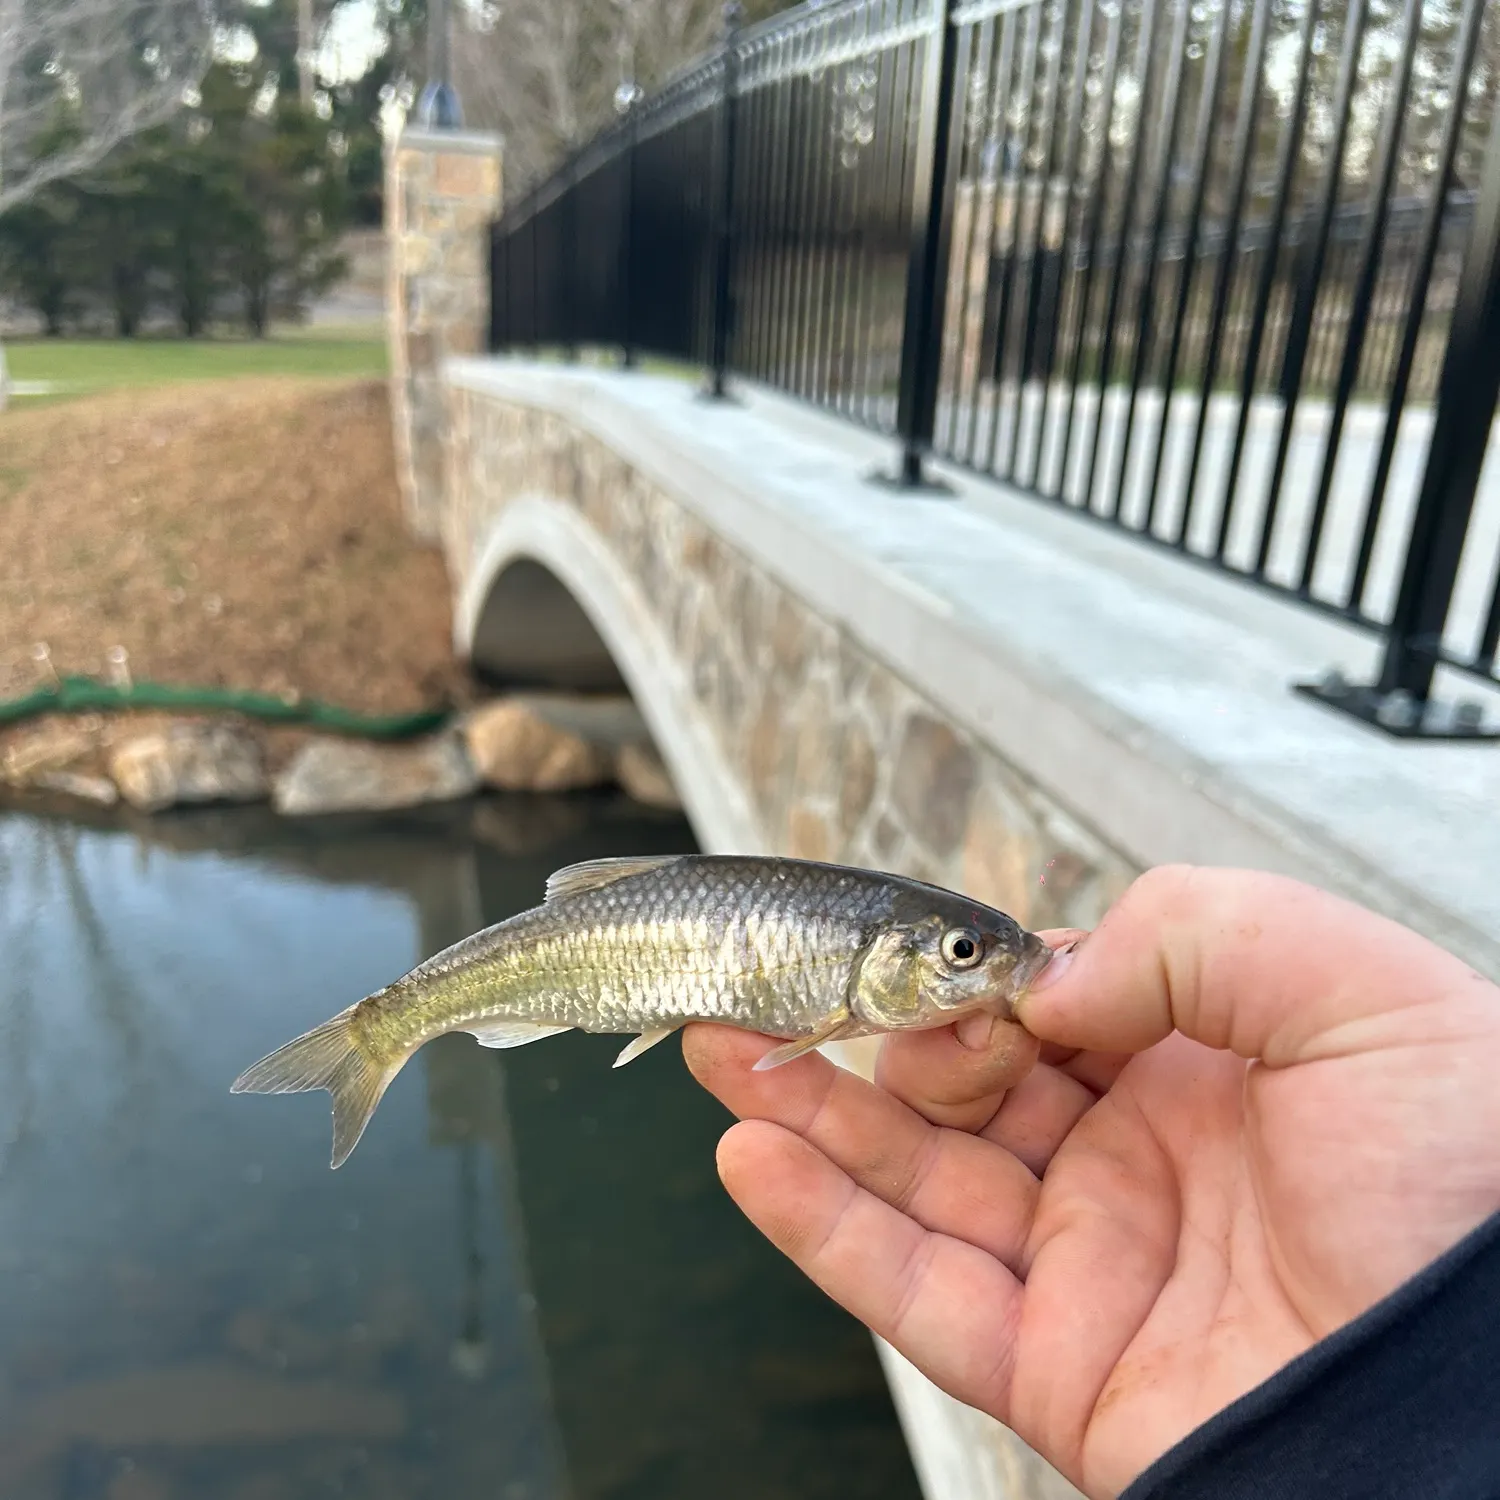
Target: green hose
[{"x": 74, "y": 695}]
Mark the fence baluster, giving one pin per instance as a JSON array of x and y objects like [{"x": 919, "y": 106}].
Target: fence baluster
[
  {"x": 933, "y": 174},
  {"x": 724, "y": 219}
]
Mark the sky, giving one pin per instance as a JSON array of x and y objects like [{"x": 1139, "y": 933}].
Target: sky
[{"x": 352, "y": 42}]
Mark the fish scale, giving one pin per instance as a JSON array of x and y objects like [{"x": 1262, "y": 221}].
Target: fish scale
[{"x": 800, "y": 951}]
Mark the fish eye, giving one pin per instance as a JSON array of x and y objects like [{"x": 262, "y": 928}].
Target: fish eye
[{"x": 962, "y": 948}]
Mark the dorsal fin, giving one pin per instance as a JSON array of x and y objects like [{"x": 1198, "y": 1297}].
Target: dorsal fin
[{"x": 594, "y": 873}]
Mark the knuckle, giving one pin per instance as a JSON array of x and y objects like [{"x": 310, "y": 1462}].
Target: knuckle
[{"x": 1163, "y": 888}]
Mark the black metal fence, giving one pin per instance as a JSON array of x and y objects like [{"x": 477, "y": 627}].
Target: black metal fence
[{"x": 1221, "y": 273}]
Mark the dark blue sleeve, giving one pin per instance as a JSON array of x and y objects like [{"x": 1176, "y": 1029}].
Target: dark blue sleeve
[{"x": 1403, "y": 1403}]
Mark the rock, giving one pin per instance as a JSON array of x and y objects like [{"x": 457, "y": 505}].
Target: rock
[
  {"x": 610, "y": 719},
  {"x": 808, "y": 835},
  {"x": 280, "y": 1343},
  {"x": 259, "y": 1487},
  {"x": 1001, "y": 855},
  {"x": 543, "y": 743},
  {"x": 933, "y": 783},
  {"x": 857, "y": 775},
  {"x": 768, "y": 754},
  {"x": 789, "y": 640},
  {"x": 193, "y": 1406},
  {"x": 98, "y": 789},
  {"x": 136, "y": 1483},
  {"x": 44, "y": 748},
  {"x": 639, "y": 769},
  {"x": 330, "y": 775},
  {"x": 189, "y": 763},
  {"x": 525, "y": 823}
]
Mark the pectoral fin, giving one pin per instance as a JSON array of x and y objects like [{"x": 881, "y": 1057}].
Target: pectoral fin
[
  {"x": 643, "y": 1043},
  {"x": 839, "y": 1025},
  {"x": 509, "y": 1033}
]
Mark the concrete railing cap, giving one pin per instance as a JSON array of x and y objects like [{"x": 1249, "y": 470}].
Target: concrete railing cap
[{"x": 473, "y": 142}]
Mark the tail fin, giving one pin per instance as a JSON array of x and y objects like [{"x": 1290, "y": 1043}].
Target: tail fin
[{"x": 327, "y": 1057}]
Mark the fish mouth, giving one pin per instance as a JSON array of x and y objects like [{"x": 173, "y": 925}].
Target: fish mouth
[{"x": 1035, "y": 957}]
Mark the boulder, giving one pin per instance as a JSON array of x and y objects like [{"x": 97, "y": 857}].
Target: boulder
[
  {"x": 544, "y": 743},
  {"x": 41, "y": 749},
  {"x": 189, "y": 763},
  {"x": 99, "y": 789},
  {"x": 334, "y": 775},
  {"x": 640, "y": 771},
  {"x": 518, "y": 824},
  {"x": 610, "y": 719}
]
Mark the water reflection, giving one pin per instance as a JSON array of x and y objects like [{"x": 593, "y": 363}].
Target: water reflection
[{"x": 525, "y": 1284}]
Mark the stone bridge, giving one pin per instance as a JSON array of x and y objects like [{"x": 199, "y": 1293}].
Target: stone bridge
[{"x": 978, "y": 690}]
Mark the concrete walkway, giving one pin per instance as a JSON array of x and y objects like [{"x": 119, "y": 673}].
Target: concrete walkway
[{"x": 1364, "y": 427}]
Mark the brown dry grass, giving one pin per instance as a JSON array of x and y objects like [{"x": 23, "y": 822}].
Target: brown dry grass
[{"x": 244, "y": 534}]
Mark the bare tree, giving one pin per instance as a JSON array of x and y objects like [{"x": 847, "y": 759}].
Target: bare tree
[
  {"x": 307, "y": 37},
  {"x": 546, "y": 72},
  {"x": 77, "y": 77}
]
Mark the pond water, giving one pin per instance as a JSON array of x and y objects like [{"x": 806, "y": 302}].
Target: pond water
[{"x": 526, "y": 1283}]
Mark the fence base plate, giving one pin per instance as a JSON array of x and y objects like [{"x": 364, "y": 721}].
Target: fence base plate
[
  {"x": 1398, "y": 714},
  {"x": 725, "y": 397},
  {"x": 897, "y": 481}
]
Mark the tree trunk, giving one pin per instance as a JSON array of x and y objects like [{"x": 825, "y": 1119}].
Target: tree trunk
[
  {"x": 305, "y": 53},
  {"x": 129, "y": 299},
  {"x": 255, "y": 311}
]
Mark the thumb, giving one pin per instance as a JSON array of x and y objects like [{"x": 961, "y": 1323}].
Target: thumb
[{"x": 1242, "y": 961}]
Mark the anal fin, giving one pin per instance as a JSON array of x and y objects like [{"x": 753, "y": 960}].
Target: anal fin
[
  {"x": 509, "y": 1033},
  {"x": 643, "y": 1043},
  {"x": 832, "y": 1030}
]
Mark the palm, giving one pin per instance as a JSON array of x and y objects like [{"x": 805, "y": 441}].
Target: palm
[
  {"x": 1153, "y": 1294},
  {"x": 1206, "y": 1221}
]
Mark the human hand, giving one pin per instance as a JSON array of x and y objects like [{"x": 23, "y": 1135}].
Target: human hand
[{"x": 1259, "y": 1110}]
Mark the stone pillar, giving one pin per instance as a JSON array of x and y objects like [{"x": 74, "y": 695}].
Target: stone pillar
[{"x": 442, "y": 189}]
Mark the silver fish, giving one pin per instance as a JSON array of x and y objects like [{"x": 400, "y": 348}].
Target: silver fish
[{"x": 807, "y": 953}]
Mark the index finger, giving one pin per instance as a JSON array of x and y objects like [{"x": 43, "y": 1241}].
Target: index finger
[{"x": 1241, "y": 961}]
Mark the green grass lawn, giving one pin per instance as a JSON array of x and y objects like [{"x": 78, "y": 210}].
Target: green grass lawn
[{"x": 79, "y": 366}]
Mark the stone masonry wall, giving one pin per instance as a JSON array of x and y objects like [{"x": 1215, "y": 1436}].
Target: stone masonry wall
[
  {"x": 442, "y": 189},
  {"x": 843, "y": 759}
]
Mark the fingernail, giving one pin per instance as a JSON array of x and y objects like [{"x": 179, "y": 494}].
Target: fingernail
[
  {"x": 975, "y": 1032},
  {"x": 1061, "y": 962}
]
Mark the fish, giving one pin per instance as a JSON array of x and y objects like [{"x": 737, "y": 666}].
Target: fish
[{"x": 803, "y": 952}]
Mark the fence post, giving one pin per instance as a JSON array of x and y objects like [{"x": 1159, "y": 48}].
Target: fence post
[
  {"x": 499, "y": 260},
  {"x": 535, "y": 300},
  {"x": 927, "y": 267},
  {"x": 1401, "y": 700},
  {"x": 724, "y": 218},
  {"x": 568, "y": 302},
  {"x": 630, "y": 98}
]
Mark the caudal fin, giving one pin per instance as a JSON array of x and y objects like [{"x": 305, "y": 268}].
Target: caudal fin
[{"x": 327, "y": 1057}]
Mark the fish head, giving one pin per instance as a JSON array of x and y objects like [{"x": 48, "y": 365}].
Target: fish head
[{"x": 928, "y": 969}]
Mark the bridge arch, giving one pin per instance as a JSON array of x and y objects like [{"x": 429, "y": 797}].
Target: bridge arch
[{"x": 545, "y": 602}]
